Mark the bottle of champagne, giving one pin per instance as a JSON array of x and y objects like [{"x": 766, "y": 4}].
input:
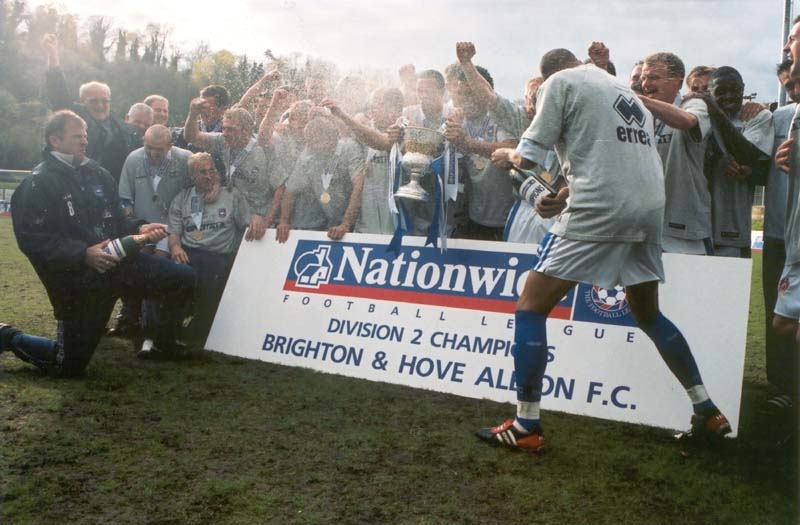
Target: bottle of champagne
[
  {"x": 125, "y": 246},
  {"x": 531, "y": 184}
]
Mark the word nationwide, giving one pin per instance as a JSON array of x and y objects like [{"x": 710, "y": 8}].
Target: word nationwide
[{"x": 458, "y": 278}]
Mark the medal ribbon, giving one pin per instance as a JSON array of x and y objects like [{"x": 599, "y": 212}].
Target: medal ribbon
[
  {"x": 232, "y": 166},
  {"x": 330, "y": 169},
  {"x": 156, "y": 174},
  {"x": 197, "y": 208}
]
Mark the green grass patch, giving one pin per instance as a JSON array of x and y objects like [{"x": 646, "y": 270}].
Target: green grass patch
[{"x": 222, "y": 440}]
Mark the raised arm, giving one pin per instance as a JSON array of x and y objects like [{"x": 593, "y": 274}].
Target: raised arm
[
  {"x": 253, "y": 91},
  {"x": 364, "y": 134},
  {"x": 279, "y": 104},
  {"x": 481, "y": 89},
  {"x": 55, "y": 83},
  {"x": 191, "y": 131}
]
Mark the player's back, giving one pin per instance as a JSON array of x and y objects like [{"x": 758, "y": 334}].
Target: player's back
[{"x": 607, "y": 149}]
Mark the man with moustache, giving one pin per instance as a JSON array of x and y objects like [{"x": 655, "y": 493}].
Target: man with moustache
[{"x": 205, "y": 222}]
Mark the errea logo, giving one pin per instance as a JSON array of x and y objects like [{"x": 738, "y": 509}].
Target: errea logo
[
  {"x": 630, "y": 110},
  {"x": 632, "y": 114}
]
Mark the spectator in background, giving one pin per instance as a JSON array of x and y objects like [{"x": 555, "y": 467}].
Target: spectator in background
[
  {"x": 697, "y": 79},
  {"x": 160, "y": 106},
  {"x": 781, "y": 354},
  {"x": 635, "y": 81},
  {"x": 110, "y": 140},
  {"x": 205, "y": 223},
  {"x": 317, "y": 84},
  {"x": 408, "y": 84},
  {"x": 139, "y": 118}
]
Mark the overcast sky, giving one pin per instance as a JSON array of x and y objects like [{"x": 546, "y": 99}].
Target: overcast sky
[{"x": 510, "y": 35}]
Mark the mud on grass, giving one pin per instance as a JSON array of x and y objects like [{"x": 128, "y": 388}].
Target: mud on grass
[{"x": 218, "y": 439}]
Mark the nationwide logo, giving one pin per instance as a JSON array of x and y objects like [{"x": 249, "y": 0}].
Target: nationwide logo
[
  {"x": 460, "y": 278},
  {"x": 629, "y": 110},
  {"x": 313, "y": 269}
]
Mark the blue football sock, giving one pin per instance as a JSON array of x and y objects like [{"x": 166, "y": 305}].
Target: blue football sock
[
  {"x": 530, "y": 361},
  {"x": 676, "y": 353}
]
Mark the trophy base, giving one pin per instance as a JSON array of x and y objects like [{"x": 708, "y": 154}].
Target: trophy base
[{"x": 413, "y": 192}]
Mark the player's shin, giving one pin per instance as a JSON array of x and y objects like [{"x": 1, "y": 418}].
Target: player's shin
[
  {"x": 676, "y": 354},
  {"x": 530, "y": 361}
]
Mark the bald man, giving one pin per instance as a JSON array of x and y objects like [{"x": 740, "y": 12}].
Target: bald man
[{"x": 152, "y": 175}]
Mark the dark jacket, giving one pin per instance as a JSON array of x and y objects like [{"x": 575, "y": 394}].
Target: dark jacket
[
  {"x": 59, "y": 211},
  {"x": 123, "y": 139}
]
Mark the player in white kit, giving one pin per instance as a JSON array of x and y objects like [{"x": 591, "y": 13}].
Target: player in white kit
[{"x": 609, "y": 233}]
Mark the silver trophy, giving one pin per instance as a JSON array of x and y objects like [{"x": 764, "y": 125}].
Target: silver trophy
[{"x": 420, "y": 146}]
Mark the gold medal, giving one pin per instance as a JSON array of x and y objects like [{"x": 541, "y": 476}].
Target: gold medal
[
  {"x": 480, "y": 163},
  {"x": 197, "y": 235},
  {"x": 325, "y": 198}
]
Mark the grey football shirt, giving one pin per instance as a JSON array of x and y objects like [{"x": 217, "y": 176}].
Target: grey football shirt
[
  {"x": 778, "y": 183},
  {"x": 308, "y": 178},
  {"x": 137, "y": 180},
  {"x": 687, "y": 209},
  {"x": 253, "y": 170},
  {"x": 510, "y": 117},
  {"x": 604, "y": 138},
  {"x": 489, "y": 190},
  {"x": 221, "y": 220},
  {"x": 732, "y": 200}
]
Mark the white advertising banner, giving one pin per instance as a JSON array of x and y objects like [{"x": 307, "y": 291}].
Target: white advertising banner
[{"x": 445, "y": 322}]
